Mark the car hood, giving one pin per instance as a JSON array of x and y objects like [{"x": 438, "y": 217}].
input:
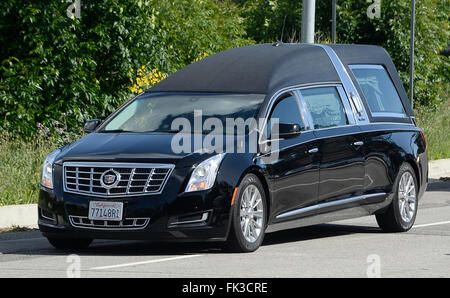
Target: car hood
[{"x": 133, "y": 147}]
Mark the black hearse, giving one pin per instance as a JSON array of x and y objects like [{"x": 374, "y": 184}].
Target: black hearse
[{"x": 347, "y": 146}]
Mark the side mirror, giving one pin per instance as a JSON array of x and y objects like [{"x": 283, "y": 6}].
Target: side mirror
[
  {"x": 91, "y": 125},
  {"x": 288, "y": 130}
]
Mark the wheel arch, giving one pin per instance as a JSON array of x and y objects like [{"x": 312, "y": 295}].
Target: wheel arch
[
  {"x": 258, "y": 172},
  {"x": 415, "y": 167}
]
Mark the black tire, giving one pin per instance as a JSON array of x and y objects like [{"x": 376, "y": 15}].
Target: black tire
[
  {"x": 236, "y": 241},
  {"x": 392, "y": 221},
  {"x": 67, "y": 244}
]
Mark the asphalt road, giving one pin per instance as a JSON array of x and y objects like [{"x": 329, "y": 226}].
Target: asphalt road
[{"x": 351, "y": 248}]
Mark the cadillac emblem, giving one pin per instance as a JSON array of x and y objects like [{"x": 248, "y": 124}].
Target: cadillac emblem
[{"x": 110, "y": 178}]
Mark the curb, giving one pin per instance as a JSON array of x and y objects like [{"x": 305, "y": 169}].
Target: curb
[
  {"x": 439, "y": 168},
  {"x": 26, "y": 215},
  {"x": 19, "y": 215}
]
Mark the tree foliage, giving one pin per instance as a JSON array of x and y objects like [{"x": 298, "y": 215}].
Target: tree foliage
[
  {"x": 392, "y": 31},
  {"x": 52, "y": 64}
]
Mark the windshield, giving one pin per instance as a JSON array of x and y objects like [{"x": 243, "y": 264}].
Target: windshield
[{"x": 155, "y": 113}]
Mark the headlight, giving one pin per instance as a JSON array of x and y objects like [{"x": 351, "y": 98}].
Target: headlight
[
  {"x": 47, "y": 171},
  {"x": 204, "y": 174}
]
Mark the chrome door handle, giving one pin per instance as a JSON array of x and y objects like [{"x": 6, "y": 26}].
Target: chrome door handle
[
  {"x": 358, "y": 143},
  {"x": 313, "y": 150}
]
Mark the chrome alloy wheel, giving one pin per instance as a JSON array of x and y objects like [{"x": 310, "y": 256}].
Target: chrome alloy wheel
[
  {"x": 407, "y": 197},
  {"x": 251, "y": 213}
]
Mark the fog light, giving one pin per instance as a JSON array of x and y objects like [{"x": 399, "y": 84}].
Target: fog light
[{"x": 198, "y": 218}]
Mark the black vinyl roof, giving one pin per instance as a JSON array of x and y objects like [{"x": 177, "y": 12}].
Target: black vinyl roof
[
  {"x": 267, "y": 68},
  {"x": 253, "y": 69}
]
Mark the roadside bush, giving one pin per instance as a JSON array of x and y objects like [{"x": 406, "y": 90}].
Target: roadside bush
[
  {"x": 54, "y": 64},
  {"x": 51, "y": 64}
]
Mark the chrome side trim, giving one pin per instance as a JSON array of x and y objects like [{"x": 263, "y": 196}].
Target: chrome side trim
[
  {"x": 350, "y": 89},
  {"x": 388, "y": 123},
  {"x": 328, "y": 204},
  {"x": 348, "y": 109},
  {"x": 366, "y": 66},
  {"x": 389, "y": 114}
]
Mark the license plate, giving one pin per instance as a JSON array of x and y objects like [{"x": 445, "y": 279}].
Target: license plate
[{"x": 105, "y": 211}]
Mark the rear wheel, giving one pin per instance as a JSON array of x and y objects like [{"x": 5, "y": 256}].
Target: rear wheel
[
  {"x": 249, "y": 216},
  {"x": 66, "y": 244},
  {"x": 402, "y": 212}
]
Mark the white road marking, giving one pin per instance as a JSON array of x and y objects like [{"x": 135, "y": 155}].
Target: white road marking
[
  {"x": 144, "y": 262},
  {"x": 432, "y": 224}
]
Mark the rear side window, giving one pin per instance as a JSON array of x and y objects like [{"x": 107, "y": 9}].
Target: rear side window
[
  {"x": 325, "y": 106},
  {"x": 379, "y": 91}
]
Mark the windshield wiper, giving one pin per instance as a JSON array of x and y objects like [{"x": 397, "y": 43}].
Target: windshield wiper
[
  {"x": 115, "y": 131},
  {"x": 162, "y": 131},
  {"x": 174, "y": 131}
]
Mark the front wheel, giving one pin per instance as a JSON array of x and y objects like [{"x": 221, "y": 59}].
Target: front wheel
[
  {"x": 249, "y": 216},
  {"x": 67, "y": 244},
  {"x": 402, "y": 212}
]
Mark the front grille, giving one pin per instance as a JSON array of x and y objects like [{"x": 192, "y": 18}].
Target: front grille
[
  {"x": 126, "y": 224},
  {"x": 90, "y": 178}
]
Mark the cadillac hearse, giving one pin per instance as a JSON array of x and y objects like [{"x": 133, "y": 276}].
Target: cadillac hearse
[{"x": 347, "y": 145}]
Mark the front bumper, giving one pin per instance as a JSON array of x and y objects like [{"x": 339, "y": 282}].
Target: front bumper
[{"x": 172, "y": 216}]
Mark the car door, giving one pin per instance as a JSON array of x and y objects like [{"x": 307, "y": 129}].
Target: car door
[
  {"x": 294, "y": 173},
  {"x": 339, "y": 142},
  {"x": 381, "y": 139}
]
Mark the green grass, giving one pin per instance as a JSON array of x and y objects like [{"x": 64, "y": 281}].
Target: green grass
[
  {"x": 20, "y": 168},
  {"x": 21, "y": 160},
  {"x": 436, "y": 127}
]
